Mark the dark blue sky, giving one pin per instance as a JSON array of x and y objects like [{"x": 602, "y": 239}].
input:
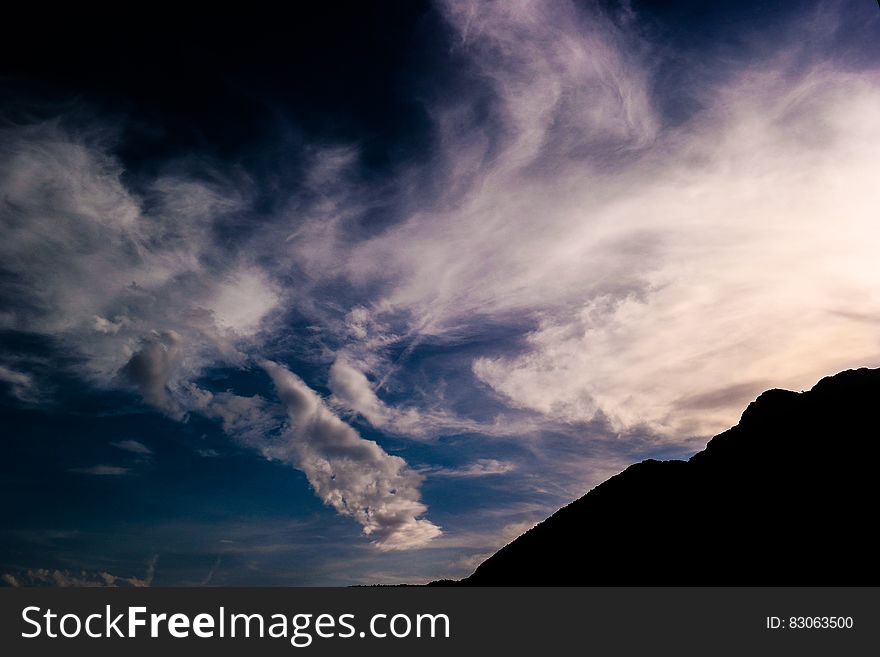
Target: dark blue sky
[{"x": 358, "y": 294}]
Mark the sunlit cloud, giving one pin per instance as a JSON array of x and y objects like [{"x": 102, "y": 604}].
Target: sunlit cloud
[
  {"x": 565, "y": 267},
  {"x": 669, "y": 274},
  {"x": 353, "y": 475},
  {"x": 479, "y": 468}
]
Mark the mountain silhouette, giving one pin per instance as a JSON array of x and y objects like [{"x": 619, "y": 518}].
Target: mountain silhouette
[{"x": 786, "y": 497}]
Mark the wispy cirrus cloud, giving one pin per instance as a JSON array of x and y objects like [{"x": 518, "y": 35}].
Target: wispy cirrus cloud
[
  {"x": 565, "y": 262},
  {"x": 479, "y": 468},
  {"x": 133, "y": 446},
  {"x": 136, "y": 285},
  {"x": 656, "y": 264},
  {"x": 102, "y": 470},
  {"x": 124, "y": 276}
]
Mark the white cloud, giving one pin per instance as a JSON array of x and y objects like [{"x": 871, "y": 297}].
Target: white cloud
[
  {"x": 351, "y": 474},
  {"x": 249, "y": 420},
  {"x": 479, "y": 468},
  {"x": 133, "y": 446},
  {"x": 352, "y": 390},
  {"x": 762, "y": 268},
  {"x": 669, "y": 273},
  {"x": 133, "y": 282},
  {"x": 130, "y": 291},
  {"x": 104, "y": 325},
  {"x": 243, "y": 301},
  {"x": 658, "y": 276},
  {"x": 488, "y": 245}
]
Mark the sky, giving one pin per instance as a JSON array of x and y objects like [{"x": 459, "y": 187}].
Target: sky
[{"x": 358, "y": 294}]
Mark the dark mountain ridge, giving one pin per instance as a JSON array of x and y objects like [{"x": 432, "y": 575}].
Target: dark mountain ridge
[{"x": 786, "y": 497}]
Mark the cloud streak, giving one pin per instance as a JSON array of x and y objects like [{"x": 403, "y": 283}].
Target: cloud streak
[
  {"x": 351, "y": 474},
  {"x": 479, "y": 468},
  {"x": 102, "y": 470},
  {"x": 133, "y": 446},
  {"x": 20, "y": 384}
]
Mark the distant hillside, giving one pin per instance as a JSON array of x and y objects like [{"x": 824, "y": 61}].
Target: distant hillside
[{"x": 787, "y": 496}]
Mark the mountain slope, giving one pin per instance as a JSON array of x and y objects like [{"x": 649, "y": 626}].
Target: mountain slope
[{"x": 788, "y": 496}]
